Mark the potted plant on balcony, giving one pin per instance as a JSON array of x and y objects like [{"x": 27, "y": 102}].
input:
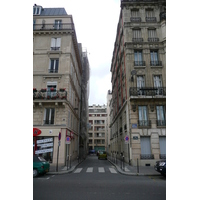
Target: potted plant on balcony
[
  {"x": 52, "y": 89},
  {"x": 62, "y": 89},
  {"x": 43, "y": 90},
  {"x": 34, "y": 90}
]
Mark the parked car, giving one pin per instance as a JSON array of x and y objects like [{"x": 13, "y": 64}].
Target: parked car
[
  {"x": 160, "y": 166},
  {"x": 102, "y": 154},
  {"x": 40, "y": 165},
  {"x": 92, "y": 152}
]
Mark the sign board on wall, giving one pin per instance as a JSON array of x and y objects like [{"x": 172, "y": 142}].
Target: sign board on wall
[
  {"x": 134, "y": 125},
  {"x": 44, "y": 151}
]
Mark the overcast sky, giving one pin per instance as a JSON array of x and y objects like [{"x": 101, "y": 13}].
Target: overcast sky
[{"x": 96, "y": 25}]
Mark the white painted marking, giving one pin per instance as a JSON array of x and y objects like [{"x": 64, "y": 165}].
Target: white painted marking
[
  {"x": 78, "y": 170},
  {"x": 113, "y": 171},
  {"x": 89, "y": 169},
  {"x": 101, "y": 170},
  {"x": 127, "y": 170}
]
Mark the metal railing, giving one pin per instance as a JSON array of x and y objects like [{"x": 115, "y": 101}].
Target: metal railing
[
  {"x": 137, "y": 39},
  {"x": 147, "y": 91},
  {"x": 150, "y": 19},
  {"x": 155, "y": 63},
  {"x": 47, "y": 121},
  {"x": 144, "y": 123},
  {"x": 161, "y": 122},
  {"x": 146, "y": 156},
  {"x": 65, "y": 26},
  {"x": 162, "y": 156},
  {"x": 135, "y": 19},
  {"x": 53, "y": 70},
  {"x": 139, "y": 63},
  {"x": 153, "y": 39}
]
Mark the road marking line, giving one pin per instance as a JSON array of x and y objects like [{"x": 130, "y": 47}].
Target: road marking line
[
  {"x": 113, "y": 171},
  {"x": 78, "y": 170},
  {"x": 89, "y": 169},
  {"x": 127, "y": 170},
  {"x": 101, "y": 170}
]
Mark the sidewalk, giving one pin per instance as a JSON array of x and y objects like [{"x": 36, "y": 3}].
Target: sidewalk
[
  {"x": 126, "y": 169},
  {"x": 62, "y": 169},
  {"x": 130, "y": 170}
]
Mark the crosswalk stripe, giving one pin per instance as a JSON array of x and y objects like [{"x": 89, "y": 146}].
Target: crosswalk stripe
[
  {"x": 101, "y": 169},
  {"x": 113, "y": 171},
  {"x": 127, "y": 170},
  {"x": 78, "y": 170},
  {"x": 89, "y": 169}
]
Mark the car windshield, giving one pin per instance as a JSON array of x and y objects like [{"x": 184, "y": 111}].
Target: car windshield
[{"x": 41, "y": 159}]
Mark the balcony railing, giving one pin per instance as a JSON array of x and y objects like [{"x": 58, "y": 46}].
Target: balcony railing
[
  {"x": 147, "y": 91},
  {"x": 55, "y": 48},
  {"x": 161, "y": 122},
  {"x": 53, "y": 70},
  {"x": 162, "y": 156},
  {"x": 46, "y": 121},
  {"x": 146, "y": 156},
  {"x": 162, "y": 16},
  {"x": 144, "y": 123},
  {"x": 52, "y": 94},
  {"x": 156, "y": 63},
  {"x": 153, "y": 39},
  {"x": 139, "y": 63},
  {"x": 150, "y": 19},
  {"x": 135, "y": 19},
  {"x": 66, "y": 26},
  {"x": 137, "y": 39}
]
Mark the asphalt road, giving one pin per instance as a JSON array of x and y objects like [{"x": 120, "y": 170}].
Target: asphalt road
[{"x": 97, "y": 179}]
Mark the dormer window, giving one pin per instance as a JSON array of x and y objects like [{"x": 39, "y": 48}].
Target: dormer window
[{"x": 37, "y": 10}]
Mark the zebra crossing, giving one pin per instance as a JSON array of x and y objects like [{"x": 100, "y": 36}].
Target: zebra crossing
[{"x": 92, "y": 169}]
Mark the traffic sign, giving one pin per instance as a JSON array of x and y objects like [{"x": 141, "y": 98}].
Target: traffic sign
[
  {"x": 68, "y": 140},
  {"x": 126, "y": 138}
]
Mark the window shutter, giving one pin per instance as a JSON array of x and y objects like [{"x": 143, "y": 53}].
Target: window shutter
[
  {"x": 162, "y": 141},
  {"x": 145, "y": 145},
  {"x": 53, "y": 42},
  {"x": 58, "y": 41}
]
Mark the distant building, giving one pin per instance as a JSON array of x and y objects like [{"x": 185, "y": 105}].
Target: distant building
[
  {"x": 97, "y": 129},
  {"x": 138, "y": 110},
  {"x": 57, "y": 85}
]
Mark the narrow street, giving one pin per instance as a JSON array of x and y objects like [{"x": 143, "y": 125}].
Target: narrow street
[{"x": 98, "y": 179}]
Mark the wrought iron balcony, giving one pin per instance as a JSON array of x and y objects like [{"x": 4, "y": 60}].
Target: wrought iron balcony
[
  {"x": 146, "y": 156},
  {"x": 65, "y": 26},
  {"x": 153, "y": 39},
  {"x": 161, "y": 122},
  {"x": 147, "y": 91},
  {"x": 150, "y": 19},
  {"x": 137, "y": 39},
  {"x": 135, "y": 19},
  {"x": 144, "y": 123},
  {"x": 139, "y": 63},
  {"x": 55, "y": 48},
  {"x": 49, "y": 95},
  {"x": 155, "y": 63},
  {"x": 53, "y": 70},
  {"x": 162, "y": 156},
  {"x": 46, "y": 121},
  {"x": 162, "y": 16}
]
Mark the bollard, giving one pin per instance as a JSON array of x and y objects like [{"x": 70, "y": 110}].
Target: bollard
[{"x": 137, "y": 166}]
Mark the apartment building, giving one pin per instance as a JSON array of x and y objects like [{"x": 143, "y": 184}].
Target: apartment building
[
  {"x": 97, "y": 130},
  {"x": 57, "y": 74},
  {"x": 138, "y": 110}
]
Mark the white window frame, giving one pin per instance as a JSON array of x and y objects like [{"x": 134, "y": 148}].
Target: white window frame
[
  {"x": 51, "y": 110},
  {"x": 37, "y": 10},
  {"x": 55, "y": 43},
  {"x": 54, "y": 65}
]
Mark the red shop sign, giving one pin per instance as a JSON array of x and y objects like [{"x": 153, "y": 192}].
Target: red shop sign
[{"x": 36, "y": 132}]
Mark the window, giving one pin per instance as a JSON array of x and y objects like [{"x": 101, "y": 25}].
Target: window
[
  {"x": 160, "y": 116},
  {"x": 154, "y": 58},
  {"x": 51, "y": 90},
  {"x": 138, "y": 61},
  {"x": 55, "y": 43},
  {"x": 137, "y": 33},
  {"x": 53, "y": 67},
  {"x": 140, "y": 82},
  {"x": 152, "y": 35},
  {"x": 49, "y": 116},
  {"x": 34, "y": 20},
  {"x": 162, "y": 141},
  {"x": 157, "y": 81},
  {"x": 58, "y": 24},
  {"x": 37, "y": 10},
  {"x": 150, "y": 16},
  {"x": 135, "y": 16},
  {"x": 143, "y": 116},
  {"x": 146, "y": 148}
]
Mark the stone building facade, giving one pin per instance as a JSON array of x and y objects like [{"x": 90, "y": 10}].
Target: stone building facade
[
  {"x": 97, "y": 130},
  {"x": 138, "y": 110},
  {"x": 57, "y": 72}
]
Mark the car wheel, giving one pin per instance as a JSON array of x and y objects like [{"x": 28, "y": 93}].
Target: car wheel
[{"x": 35, "y": 173}]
